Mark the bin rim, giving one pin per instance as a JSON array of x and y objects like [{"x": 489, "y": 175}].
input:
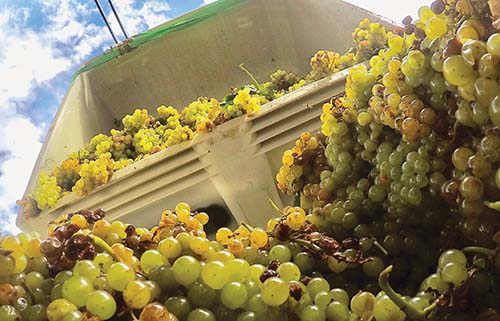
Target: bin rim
[{"x": 184, "y": 21}]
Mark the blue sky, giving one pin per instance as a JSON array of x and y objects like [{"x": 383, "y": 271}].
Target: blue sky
[{"x": 44, "y": 42}]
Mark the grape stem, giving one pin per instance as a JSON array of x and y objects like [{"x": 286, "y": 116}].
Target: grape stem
[
  {"x": 242, "y": 67},
  {"x": 248, "y": 227},
  {"x": 380, "y": 247},
  {"x": 479, "y": 250},
  {"x": 411, "y": 311},
  {"x": 493, "y": 205},
  {"x": 104, "y": 246},
  {"x": 309, "y": 244},
  {"x": 273, "y": 204}
]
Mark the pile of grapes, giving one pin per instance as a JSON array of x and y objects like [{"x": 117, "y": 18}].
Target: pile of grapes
[
  {"x": 142, "y": 134},
  {"x": 396, "y": 215}
]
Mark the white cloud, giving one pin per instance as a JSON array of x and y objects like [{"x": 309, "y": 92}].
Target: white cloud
[
  {"x": 30, "y": 59},
  {"x": 208, "y": 1},
  {"x": 137, "y": 19}
]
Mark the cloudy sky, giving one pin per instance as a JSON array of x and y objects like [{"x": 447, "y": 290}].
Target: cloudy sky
[{"x": 43, "y": 44}]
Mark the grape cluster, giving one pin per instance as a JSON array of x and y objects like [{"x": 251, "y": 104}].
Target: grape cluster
[
  {"x": 91, "y": 269},
  {"x": 412, "y": 145}
]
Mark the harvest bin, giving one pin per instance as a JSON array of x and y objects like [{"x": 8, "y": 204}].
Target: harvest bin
[{"x": 198, "y": 55}]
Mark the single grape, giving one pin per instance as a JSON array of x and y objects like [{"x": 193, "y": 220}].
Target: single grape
[
  {"x": 312, "y": 313},
  {"x": 362, "y": 302},
  {"x": 119, "y": 275},
  {"x": 233, "y": 295},
  {"x": 151, "y": 259},
  {"x": 274, "y": 291},
  {"x": 280, "y": 253},
  {"x": 214, "y": 275},
  {"x": 57, "y": 309},
  {"x": 337, "y": 311},
  {"x": 201, "y": 295},
  {"x": 317, "y": 285},
  {"x": 179, "y": 306},
  {"x": 137, "y": 294},
  {"x": 288, "y": 271},
  {"x": 201, "y": 315},
  {"x": 386, "y": 310},
  {"x": 76, "y": 289},
  {"x": 454, "y": 273},
  {"x": 186, "y": 270},
  {"x": 87, "y": 269},
  {"x": 101, "y": 304}
]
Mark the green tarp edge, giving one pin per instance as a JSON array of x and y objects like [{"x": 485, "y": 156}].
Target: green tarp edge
[{"x": 180, "y": 23}]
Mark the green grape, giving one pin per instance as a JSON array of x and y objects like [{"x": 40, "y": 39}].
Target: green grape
[
  {"x": 57, "y": 309},
  {"x": 252, "y": 288},
  {"x": 170, "y": 247},
  {"x": 312, "y": 313},
  {"x": 86, "y": 268},
  {"x": 471, "y": 188},
  {"x": 101, "y": 304},
  {"x": 37, "y": 312},
  {"x": 337, "y": 311},
  {"x": 233, "y": 295},
  {"x": 248, "y": 316},
  {"x": 76, "y": 289},
  {"x": 9, "y": 313},
  {"x": 489, "y": 66},
  {"x": 256, "y": 304},
  {"x": 454, "y": 273},
  {"x": 201, "y": 295},
  {"x": 151, "y": 259},
  {"x": 317, "y": 285},
  {"x": 493, "y": 44},
  {"x": 186, "y": 270},
  {"x": 238, "y": 270},
  {"x": 201, "y": 315},
  {"x": 100, "y": 283},
  {"x": 362, "y": 302},
  {"x": 39, "y": 264},
  {"x": 274, "y": 291},
  {"x": 137, "y": 294},
  {"x": 304, "y": 261},
  {"x": 340, "y": 295},
  {"x": 7, "y": 265},
  {"x": 434, "y": 282},
  {"x": 179, "y": 306},
  {"x": 34, "y": 280},
  {"x": 164, "y": 277},
  {"x": 73, "y": 316},
  {"x": 452, "y": 256},
  {"x": 494, "y": 111},
  {"x": 214, "y": 275},
  {"x": 56, "y": 292},
  {"x": 473, "y": 50},
  {"x": 386, "y": 310},
  {"x": 255, "y": 272},
  {"x": 280, "y": 253},
  {"x": 103, "y": 261},
  {"x": 497, "y": 178},
  {"x": 373, "y": 266},
  {"x": 288, "y": 271},
  {"x": 119, "y": 275},
  {"x": 485, "y": 90},
  {"x": 457, "y": 71},
  {"x": 436, "y": 27},
  {"x": 154, "y": 289},
  {"x": 322, "y": 299}
]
